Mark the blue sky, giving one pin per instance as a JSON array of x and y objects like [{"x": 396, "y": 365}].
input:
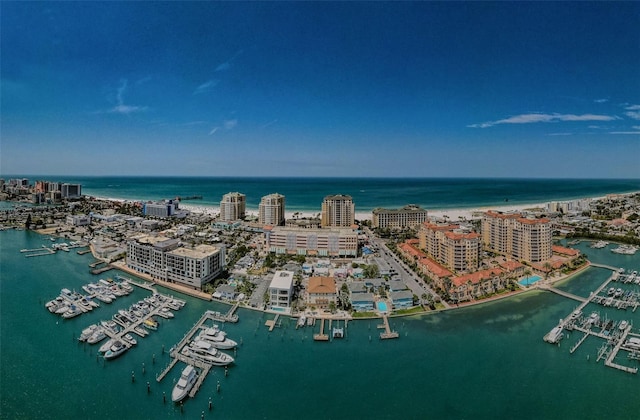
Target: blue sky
[{"x": 425, "y": 89}]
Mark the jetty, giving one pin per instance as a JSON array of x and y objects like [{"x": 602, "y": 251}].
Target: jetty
[
  {"x": 271, "y": 323},
  {"x": 101, "y": 270},
  {"x": 37, "y": 252},
  {"x": 387, "y": 334},
  {"x": 563, "y": 293},
  {"x": 609, "y": 361},
  {"x": 321, "y": 336}
]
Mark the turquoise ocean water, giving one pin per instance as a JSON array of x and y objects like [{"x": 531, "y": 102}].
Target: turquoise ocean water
[
  {"x": 306, "y": 194},
  {"x": 481, "y": 362}
]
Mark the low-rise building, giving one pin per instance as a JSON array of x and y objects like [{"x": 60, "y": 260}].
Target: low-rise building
[
  {"x": 79, "y": 220},
  {"x": 321, "y": 292},
  {"x": 362, "y": 302},
  {"x": 401, "y": 299}
]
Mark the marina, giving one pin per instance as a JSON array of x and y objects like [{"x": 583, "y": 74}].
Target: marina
[
  {"x": 186, "y": 351},
  {"x": 615, "y": 333}
]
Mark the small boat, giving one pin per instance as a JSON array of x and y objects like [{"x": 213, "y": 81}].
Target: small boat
[
  {"x": 611, "y": 291},
  {"x": 87, "y": 332},
  {"x": 115, "y": 350},
  {"x": 166, "y": 312},
  {"x": 187, "y": 379},
  {"x": 97, "y": 336},
  {"x": 140, "y": 331},
  {"x": 302, "y": 321},
  {"x": 129, "y": 339},
  {"x": 338, "y": 333},
  {"x": 72, "y": 312},
  {"x": 110, "y": 325},
  {"x": 623, "y": 325},
  {"x": 151, "y": 324},
  {"x": 554, "y": 336},
  {"x": 106, "y": 346}
]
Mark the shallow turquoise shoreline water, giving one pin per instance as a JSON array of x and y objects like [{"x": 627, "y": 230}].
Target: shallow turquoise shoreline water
[{"x": 481, "y": 362}]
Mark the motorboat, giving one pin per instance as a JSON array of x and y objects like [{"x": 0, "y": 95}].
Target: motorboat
[
  {"x": 554, "y": 336},
  {"x": 187, "y": 379},
  {"x": 219, "y": 341},
  {"x": 611, "y": 291},
  {"x": 110, "y": 325},
  {"x": 166, "y": 312},
  {"x": 623, "y": 325},
  {"x": 115, "y": 350},
  {"x": 208, "y": 353},
  {"x": 106, "y": 346},
  {"x": 151, "y": 324},
  {"x": 302, "y": 321},
  {"x": 97, "y": 336},
  {"x": 72, "y": 312},
  {"x": 87, "y": 332},
  {"x": 129, "y": 339}
]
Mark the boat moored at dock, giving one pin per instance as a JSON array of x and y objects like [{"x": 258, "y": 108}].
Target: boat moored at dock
[{"x": 187, "y": 379}]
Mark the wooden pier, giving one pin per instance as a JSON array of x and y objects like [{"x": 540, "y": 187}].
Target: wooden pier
[
  {"x": 271, "y": 323},
  {"x": 563, "y": 293},
  {"x": 609, "y": 361},
  {"x": 101, "y": 270},
  {"x": 387, "y": 329},
  {"x": 321, "y": 336}
]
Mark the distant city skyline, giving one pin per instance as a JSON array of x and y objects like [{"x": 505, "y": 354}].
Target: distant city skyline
[{"x": 349, "y": 89}]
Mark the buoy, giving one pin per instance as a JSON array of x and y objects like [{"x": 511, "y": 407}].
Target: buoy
[
  {"x": 181, "y": 407},
  {"x": 202, "y": 415}
]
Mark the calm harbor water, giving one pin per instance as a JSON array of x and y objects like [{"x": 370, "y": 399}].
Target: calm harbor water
[
  {"x": 487, "y": 361},
  {"x": 306, "y": 194}
]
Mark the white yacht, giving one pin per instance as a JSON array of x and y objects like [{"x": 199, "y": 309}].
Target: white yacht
[
  {"x": 115, "y": 350},
  {"x": 185, "y": 383},
  {"x": 302, "y": 321},
  {"x": 205, "y": 352},
  {"x": 106, "y": 346},
  {"x": 129, "y": 339},
  {"x": 217, "y": 338},
  {"x": 72, "y": 311},
  {"x": 97, "y": 336},
  {"x": 87, "y": 332},
  {"x": 623, "y": 325}
]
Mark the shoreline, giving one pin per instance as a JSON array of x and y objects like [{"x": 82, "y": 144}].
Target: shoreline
[{"x": 453, "y": 214}]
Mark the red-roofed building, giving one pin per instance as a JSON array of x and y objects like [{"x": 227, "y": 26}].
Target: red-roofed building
[
  {"x": 517, "y": 237},
  {"x": 447, "y": 244},
  {"x": 475, "y": 285},
  {"x": 569, "y": 252},
  {"x": 425, "y": 264},
  {"x": 321, "y": 291}
]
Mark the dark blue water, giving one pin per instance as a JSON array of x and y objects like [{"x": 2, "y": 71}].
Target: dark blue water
[{"x": 306, "y": 194}]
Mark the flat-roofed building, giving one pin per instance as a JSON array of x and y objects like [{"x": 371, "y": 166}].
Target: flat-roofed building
[
  {"x": 338, "y": 211},
  {"x": 71, "y": 190},
  {"x": 163, "y": 259},
  {"x": 271, "y": 210},
  {"x": 281, "y": 289},
  {"x": 79, "y": 220},
  {"x": 233, "y": 207},
  {"x": 516, "y": 236},
  {"x": 166, "y": 208},
  {"x": 321, "y": 291},
  {"x": 316, "y": 242},
  {"x": 408, "y": 216}
]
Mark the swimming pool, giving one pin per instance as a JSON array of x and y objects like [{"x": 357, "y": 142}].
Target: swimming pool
[
  {"x": 527, "y": 281},
  {"x": 382, "y": 306}
]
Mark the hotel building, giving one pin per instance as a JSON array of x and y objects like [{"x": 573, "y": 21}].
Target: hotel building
[
  {"x": 164, "y": 259},
  {"x": 337, "y": 211},
  {"x": 271, "y": 210},
  {"x": 317, "y": 242},
  {"x": 162, "y": 209},
  {"x": 450, "y": 246},
  {"x": 517, "y": 237},
  {"x": 233, "y": 207},
  {"x": 408, "y": 216}
]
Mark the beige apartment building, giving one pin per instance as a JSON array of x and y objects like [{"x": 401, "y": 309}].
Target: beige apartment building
[
  {"x": 233, "y": 207},
  {"x": 518, "y": 237},
  {"x": 450, "y": 246},
  {"x": 164, "y": 259},
  {"x": 271, "y": 210},
  {"x": 338, "y": 211},
  {"x": 408, "y": 216}
]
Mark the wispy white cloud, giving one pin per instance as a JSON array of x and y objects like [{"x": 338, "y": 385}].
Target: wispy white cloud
[
  {"x": 269, "y": 123},
  {"x": 539, "y": 117},
  {"x": 601, "y": 101},
  {"x": 206, "y": 86},
  {"x": 213, "y": 130},
  {"x": 120, "y": 107},
  {"x": 230, "y": 124},
  {"x": 636, "y": 127},
  {"x": 625, "y": 132},
  {"x": 560, "y": 134},
  {"x": 633, "y": 111},
  {"x": 227, "y": 64}
]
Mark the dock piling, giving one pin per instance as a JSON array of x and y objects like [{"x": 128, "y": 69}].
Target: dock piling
[{"x": 133, "y": 377}]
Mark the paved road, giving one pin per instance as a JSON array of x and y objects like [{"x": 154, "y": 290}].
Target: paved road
[{"x": 411, "y": 279}]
